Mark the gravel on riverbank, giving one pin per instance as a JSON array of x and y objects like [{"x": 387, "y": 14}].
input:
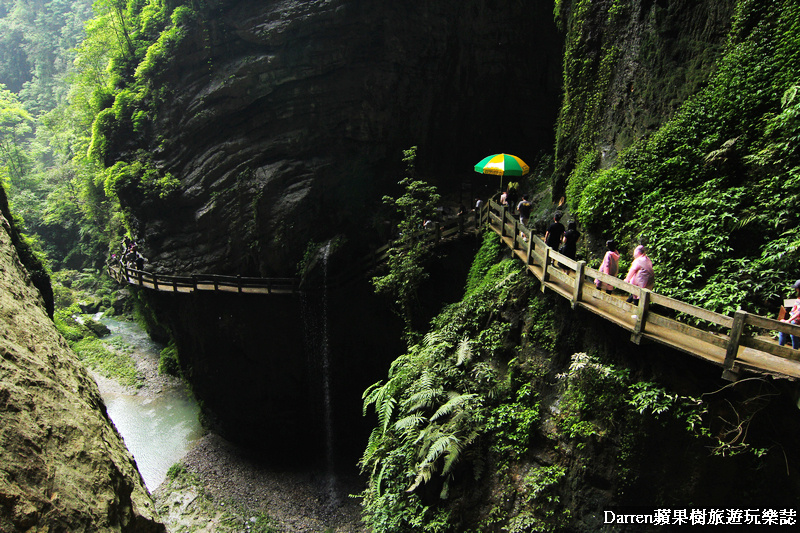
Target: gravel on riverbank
[{"x": 223, "y": 488}]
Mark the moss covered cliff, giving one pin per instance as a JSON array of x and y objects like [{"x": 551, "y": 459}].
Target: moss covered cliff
[
  {"x": 712, "y": 187},
  {"x": 64, "y": 466},
  {"x": 677, "y": 129}
]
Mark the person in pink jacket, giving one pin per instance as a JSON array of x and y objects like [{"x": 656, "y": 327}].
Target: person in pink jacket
[
  {"x": 793, "y": 318},
  {"x": 641, "y": 272},
  {"x": 610, "y": 266}
]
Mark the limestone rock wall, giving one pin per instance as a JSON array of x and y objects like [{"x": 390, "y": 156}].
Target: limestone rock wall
[
  {"x": 64, "y": 467},
  {"x": 285, "y": 120},
  {"x": 628, "y": 67}
]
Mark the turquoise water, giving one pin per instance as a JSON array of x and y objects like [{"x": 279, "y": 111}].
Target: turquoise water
[{"x": 158, "y": 429}]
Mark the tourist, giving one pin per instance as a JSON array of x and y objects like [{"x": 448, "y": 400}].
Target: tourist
[
  {"x": 524, "y": 209},
  {"x": 609, "y": 266},
  {"x": 570, "y": 240},
  {"x": 478, "y": 204},
  {"x": 552, "y": 237},
  {"x": 504, "y": 199},
  {"x": 641, "y": 272},
  {"x": 512, "y": 193},
  {"x": 793, "y": 318}
]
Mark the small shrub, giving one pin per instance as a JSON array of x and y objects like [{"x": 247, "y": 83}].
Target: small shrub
[{"x": 168, "y": 362}]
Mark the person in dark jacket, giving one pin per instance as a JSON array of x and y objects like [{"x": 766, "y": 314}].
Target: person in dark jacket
[{"x": 570, "y": 240}]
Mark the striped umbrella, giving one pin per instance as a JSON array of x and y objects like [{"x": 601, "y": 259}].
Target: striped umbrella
[{"x": 502, "y": 165}]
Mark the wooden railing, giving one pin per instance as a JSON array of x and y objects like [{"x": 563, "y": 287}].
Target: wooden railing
[
  {"x": 202, "y": 282},
  {"x": 466, "y": 224},
  {"x": 740, "y": 342},
  {"x": 452, "y": 228}
]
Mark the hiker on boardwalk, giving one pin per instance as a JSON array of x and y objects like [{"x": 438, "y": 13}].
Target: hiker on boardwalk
[
  {"x": 570, "y": 240},
  {"x": 609, "y": 266},
  {"x": 793, "y": 318},
  {"x": 504, "y": 199},
  {"x": 524, "y": 208},
  {"x": 552, "y": 237},
  {"x": 641, "y": 272}
]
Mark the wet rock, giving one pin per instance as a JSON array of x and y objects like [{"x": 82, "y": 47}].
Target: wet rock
[{"x": 64, "y": 466}]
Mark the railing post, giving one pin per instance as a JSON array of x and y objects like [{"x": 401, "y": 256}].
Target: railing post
[
  {"x": 194, "y": 283},
  {"x": 174, "y": 285},
  {"x": 155, "y": 282},
  {"x": 239, "y": 282},
  {"x": 216, "y": 284},
  {"x": 544, "y": 266},
  {"x": 732, "y": 349},
  {"x": 530, "y": 248},
  {"x": 516, "y": 232},
  {"x": 578, "y": 289},
  {"x": 502, "y": 222},
  {"x": 641, "y": 316},
  {"x": 140, "y": 278}
]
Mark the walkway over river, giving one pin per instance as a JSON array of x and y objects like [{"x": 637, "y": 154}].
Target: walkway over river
[{"x": 738, "y": 343}]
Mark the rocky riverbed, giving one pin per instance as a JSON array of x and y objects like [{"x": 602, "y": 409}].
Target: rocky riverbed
[{"x": 219, "y": 487}]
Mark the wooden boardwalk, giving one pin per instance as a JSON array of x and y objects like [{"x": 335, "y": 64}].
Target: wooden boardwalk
[
  {"x": 453, "y": 228},
  {"x": 738, "y": 343}
]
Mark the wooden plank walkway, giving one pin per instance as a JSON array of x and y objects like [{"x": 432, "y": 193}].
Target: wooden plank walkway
[
  {"x": 454, "y": 228},
  {"x": 735, "y": 343},
  {"x": 738, "y": 343}
]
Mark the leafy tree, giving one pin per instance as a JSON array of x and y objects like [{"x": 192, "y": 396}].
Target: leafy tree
[
  {"x": 408, "y": 253},
  {"x": 15, "y": 126}
]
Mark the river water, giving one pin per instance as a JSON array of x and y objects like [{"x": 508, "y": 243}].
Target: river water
[{"x": 159, "y": 425}]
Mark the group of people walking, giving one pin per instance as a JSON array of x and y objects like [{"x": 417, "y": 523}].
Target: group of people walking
[
  {"x": 640, "y": 273},
  {"x": 565, "y": 240},
  {"x": 130, "y": 256}
]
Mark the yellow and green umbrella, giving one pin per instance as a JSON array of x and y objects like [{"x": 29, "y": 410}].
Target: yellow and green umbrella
[{"x": 502, "y": 165}]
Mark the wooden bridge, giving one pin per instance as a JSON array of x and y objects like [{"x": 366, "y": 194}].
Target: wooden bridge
[
  {"x": 737, "y": 343},
  {"x": 453, "y": 228},
  {"x": 740, "y": 342}
]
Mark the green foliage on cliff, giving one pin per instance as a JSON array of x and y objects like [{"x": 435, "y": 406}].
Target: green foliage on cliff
[
  {"x": 437, "y": 401},
  {"x": 484, "y": 260},
  {"x": 407, "y": 254},
  {"x": 714, "y": 192}
]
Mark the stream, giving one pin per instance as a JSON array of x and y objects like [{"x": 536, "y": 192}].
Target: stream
[{"x": 159, "y": 423}]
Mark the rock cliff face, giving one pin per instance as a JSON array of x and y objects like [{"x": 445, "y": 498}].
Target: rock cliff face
[
  {"x": 285, "y": 120},
  {"x": 285, "y": 123},
  {"x": 64, "y": 467},
  {"x": 627, "y": 68}
]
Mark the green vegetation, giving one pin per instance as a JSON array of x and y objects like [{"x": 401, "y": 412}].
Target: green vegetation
[
  {"x": 407, "y": 254},
  {"x": 714, "y": 191},
  {"x": 93, "y": 352},
  {"x": 73, "y": 289},
  {"x": 78, "y": 96},
  {"x": 168, "y": 362},
  {"x": 438, "y": 401}
]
